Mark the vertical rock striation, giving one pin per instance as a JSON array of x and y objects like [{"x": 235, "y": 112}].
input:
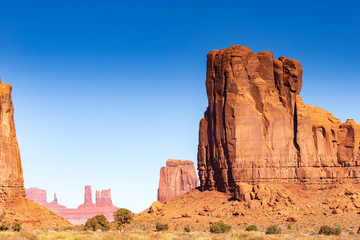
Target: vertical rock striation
[
  {"x": 12, "y": 192},
  {"x": 257, "y": 128},
  {"x": 88, "y": 196},
  {"x": 106, "y": 198},
  {"x": 177, "y": 178},
  {"x": 11, "y": 176}
]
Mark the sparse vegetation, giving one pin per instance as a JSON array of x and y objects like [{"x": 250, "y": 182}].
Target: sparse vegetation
[
  {"x": 4, "y": 226},
  {"x": 123, "y": 216},
  {"x": 336, "y": 231},
  {"x": 220, "y": 227},
  {"x": 273, "y": 229},
  {"x": 16, "y": 226},
  {"x": 98, "y": 222},
  {"x": 251, "y": 228},
  {"x": 358, "y": 231},
  {"x": 161, "y": 226},
  {"x": 187, "y": 228},
  {"x": 326, "y": 230}
]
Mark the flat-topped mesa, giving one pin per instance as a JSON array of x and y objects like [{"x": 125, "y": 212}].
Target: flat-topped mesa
[
  {"x": 106, "y": 197},
  {"x": 257, "y": 128},
  {"x": 177, "y": 178},
  {"x": 175, "y": 163},
  {"x": 79, "y": 215},
  {"x": 36, "y": 194},
  {"x": 11, "y": 177}
]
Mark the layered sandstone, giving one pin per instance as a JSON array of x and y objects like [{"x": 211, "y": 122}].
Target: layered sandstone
[
  {"x": 11, "y": 177},
  {"x": 257, "y": 128},
  {"x": 177, "y": 178},
  {"x": 79, "y": 215},
  {"x": 12, "y": 192}
]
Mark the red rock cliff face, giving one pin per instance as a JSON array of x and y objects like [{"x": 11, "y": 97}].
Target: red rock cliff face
[
  {"x": 12, "y": 192},
  {"x": 11, "y": 175},
  {"x": 257, "y": 128},
  {"x": 177, "y": 178}
]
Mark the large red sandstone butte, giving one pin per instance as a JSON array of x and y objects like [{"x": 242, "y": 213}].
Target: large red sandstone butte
[
  {"x": 257, "y": 128},
  {"x": 11, "y": 177},
  {"x": 103, "y": 205},
  {"x": 12, "y": 192},
  {"x": 177, "y": 178}
]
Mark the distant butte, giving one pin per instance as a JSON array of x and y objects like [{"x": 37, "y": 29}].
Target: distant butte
[
  {"x": 177, "y": 178},
  {"x": 77, "y": 216}
]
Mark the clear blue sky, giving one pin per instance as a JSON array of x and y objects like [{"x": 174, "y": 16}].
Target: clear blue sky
[{"x": 106, "y": 91}]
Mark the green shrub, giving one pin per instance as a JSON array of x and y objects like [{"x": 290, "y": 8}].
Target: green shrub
[
  {"x": 97, "y": 222},
  {"x": 2, "y": 216},
  {"x": 4, "y": 226},
  {"x": 123, "y": 216},
  {"x": 289, "y": 226},
  {"x": 358, "y": 231},
  {"x": 326, "y": 230},
  {"x": 16, "y": 226},
  {"x": 251, "y": 228},
  {"x": 273, "y": 229},
  {"x": 161, "y": 226},
  {"x": 336, "y": 231},
  {"x": 187, "y": 228},
  {"x": 220, "y": 227}
]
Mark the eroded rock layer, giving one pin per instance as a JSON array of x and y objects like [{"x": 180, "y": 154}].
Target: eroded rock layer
[
  {"x": 11, "y": 175},
  {"x": 257, "y": 128},
  {"x": 12, "y": 193},
  {"x": 177, "y": 178}
]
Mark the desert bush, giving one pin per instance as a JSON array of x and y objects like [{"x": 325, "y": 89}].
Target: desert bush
[
  {"x": 161, "y": 226},
  {"x": 27, "y": 235},
  {"x": 336, "y": 231},
  {"x": 187, "y": 228},
  {"x": 326, "y": 230},
  {"x": 358, "y": 231},
  {"x": 273, "y": 229},
  {"x": 16, "y": 226},
  {"x": 220, "y": 227},
  {"x": 123, "y": 216},
  {"x": 68, "y": 228},
  {"x": 251, "y": 228},
  {"x": 97, "y": 222},
  {"x": 2, "y": 216},
  {"x": 4, "y": 226}
]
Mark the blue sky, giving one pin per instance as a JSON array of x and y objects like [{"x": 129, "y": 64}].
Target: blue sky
[{"x": 106, "y": 91}]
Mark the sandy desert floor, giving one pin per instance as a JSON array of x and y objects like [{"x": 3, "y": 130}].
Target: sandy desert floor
[{"x": 74, "y": 235}]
